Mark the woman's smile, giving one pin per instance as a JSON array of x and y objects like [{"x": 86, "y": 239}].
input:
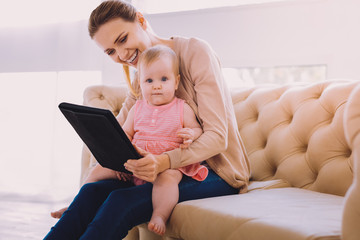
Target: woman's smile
[{"x": 133, "y": 59}]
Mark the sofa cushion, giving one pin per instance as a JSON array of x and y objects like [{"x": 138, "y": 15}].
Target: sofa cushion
[
  {"x": 274, "y": 214},
  {"x": 296, "y": 133}
]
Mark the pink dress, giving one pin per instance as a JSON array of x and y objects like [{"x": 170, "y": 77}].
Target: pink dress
[{"x": 155, "y": 131}]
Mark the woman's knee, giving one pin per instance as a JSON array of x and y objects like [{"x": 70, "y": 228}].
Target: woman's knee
[
  {"x": 96, "y": 188},
  {"x": 90, "y": 187}
]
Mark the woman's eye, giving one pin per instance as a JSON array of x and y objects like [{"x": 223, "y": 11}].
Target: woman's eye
[
  {"x": 110, "y": 52},
  {"x": 123, "y": 39},
  {"x": 149, "y": 80},
  {"x": 164, "y": 79}
]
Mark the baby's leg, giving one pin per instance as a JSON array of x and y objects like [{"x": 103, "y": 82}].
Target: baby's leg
[
  {"x": 99, "y": 173},
  {"x": 165, "y": 195}
]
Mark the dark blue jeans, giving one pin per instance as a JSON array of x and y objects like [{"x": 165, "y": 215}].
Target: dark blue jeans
[{"x": 109, "y": 209}]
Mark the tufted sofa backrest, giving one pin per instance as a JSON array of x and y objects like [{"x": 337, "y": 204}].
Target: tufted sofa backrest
[{"x": 295, "y": 133}]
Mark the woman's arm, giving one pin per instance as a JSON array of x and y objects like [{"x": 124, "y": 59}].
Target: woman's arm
[{"x": 204, "y": 84}]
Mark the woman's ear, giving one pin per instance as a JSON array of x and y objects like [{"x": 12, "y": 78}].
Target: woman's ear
[{"x": 140, "y": 18}]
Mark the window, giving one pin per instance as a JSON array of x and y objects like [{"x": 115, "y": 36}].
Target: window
[
  {"x": 244, "y": 77},
  {"x": 162, "y": 6},
  {"x": 22, "y": 13},
  {"x": 40, "y": 153}
]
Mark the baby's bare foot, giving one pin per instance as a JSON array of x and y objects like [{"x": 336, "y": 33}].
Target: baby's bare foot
[
  {"x": 157, "y": 225},
  {"x": 58, "y": 213}
]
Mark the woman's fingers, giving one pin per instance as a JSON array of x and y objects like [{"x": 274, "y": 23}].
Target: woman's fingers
[
  {"x": 144, "y": 168},
  {"x": 138, "y": 163}
]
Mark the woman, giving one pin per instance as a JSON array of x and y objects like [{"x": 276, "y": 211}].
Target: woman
[{"x": 109, "y": 209}]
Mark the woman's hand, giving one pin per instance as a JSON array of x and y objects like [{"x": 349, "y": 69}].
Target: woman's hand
[{"x": 148, "y": 167}]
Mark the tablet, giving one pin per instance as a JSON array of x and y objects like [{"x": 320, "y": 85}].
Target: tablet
[{"x": 102, "y": 134}]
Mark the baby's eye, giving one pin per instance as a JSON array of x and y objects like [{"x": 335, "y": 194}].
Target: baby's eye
[
  {"x": 164, "y": 79},
  {"x": 149, "y": 80}
]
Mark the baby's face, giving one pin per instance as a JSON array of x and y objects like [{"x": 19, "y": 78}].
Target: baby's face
[{"x": 158, "y": 81}]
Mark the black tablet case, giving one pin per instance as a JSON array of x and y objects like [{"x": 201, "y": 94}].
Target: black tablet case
[{"x": 102, "y": 134}]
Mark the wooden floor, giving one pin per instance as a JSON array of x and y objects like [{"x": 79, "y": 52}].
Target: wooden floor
[{"x": 25, "y": 220}]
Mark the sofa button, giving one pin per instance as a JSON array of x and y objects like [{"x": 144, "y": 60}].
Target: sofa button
[{"x": 101, "y": 97}]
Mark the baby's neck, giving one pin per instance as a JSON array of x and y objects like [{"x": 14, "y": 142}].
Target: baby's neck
[{"x": 158, "y": 105}]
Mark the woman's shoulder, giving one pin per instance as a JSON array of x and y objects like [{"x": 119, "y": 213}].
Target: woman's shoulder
[{"x": 190, "y": 44}]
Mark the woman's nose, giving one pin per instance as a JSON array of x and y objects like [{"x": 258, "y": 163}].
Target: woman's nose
[{"x": 122, "y": 54}]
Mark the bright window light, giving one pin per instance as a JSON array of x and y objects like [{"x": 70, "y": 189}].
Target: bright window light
[
  {"x": 40, "y": 152},
  {"x": 163, "y": 6},
  {"x": 22, "y": 13},
  {"x": 247, "y": 77}
]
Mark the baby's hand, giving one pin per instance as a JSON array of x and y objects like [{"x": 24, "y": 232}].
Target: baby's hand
[
  {"x": 123, "y": 176},
  {"x": 188, "y": 135}
]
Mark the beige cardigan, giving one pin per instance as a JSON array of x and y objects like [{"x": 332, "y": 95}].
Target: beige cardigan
[{"x": 202, "y": 86}]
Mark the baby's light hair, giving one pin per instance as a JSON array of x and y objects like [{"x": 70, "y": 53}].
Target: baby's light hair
[{"x": 154, "y": 53}]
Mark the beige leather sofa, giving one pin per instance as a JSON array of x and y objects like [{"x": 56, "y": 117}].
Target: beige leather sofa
[{"x": 301, "y": 143}]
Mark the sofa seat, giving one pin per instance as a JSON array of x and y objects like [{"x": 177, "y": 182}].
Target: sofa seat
[{"x": 272, "y": 214}]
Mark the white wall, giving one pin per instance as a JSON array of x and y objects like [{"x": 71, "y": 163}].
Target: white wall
[
  {"x": 56, "y": 47},
  {"x": 299, "y": 32}
]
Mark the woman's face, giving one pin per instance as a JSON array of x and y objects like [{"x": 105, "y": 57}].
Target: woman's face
[{"x": 123, "y": 41}]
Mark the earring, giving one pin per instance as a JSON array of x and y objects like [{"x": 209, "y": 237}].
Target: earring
[{"x": 141, "y": 20}]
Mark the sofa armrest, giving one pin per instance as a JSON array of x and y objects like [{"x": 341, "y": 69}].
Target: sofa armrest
[
  {"x": 100, "y": 96},
  {"x": 351, "y": 214}
]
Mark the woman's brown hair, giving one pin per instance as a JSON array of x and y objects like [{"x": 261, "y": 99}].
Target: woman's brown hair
[{"x": 107, "y": 11}]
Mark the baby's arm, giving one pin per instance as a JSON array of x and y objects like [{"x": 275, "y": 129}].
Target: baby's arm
[
  {"x": 128, "y": 126},
  {"x": 192, "y": 129}
]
